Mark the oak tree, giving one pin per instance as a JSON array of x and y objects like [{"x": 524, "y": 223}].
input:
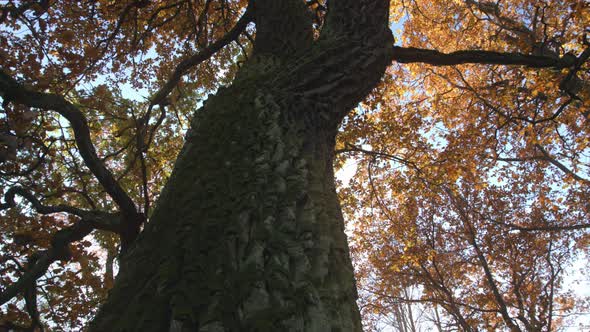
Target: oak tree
[{"x": 188, "y": 148}]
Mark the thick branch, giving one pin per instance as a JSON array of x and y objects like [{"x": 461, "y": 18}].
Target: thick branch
[
  {"x": 540, "y": 228},
  {"x": 559, "y": 165},
  {"x": 12, "y": 91},
  {"x": 30, "y": 295},
  {"x": 492, "y": 282},
  {"x": 59, "y": 250},
  {"x": 97, "y": 219},
  {"x": 572, "y": 84},
  {"x": 436, "y": 58}
]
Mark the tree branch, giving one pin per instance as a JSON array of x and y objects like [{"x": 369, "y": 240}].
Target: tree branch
[
  {"x": 181, "y": 69},
  {"x": 559, "y": 165},
  {"x": 59, "y": 250},
  {"x": 492, "y": 11},
  {"x": 537, "y": 228},
  {"x": 30, "y": 295},
  {"x": 459, "y": 203},
  {"x": 572, "y": 84},
  {"x": 545, "y": 156},
  {"x": 13, "y": 91},
  {"x": 350, "y": 148},
  {"x": 436, "y": 58},
  {"x": 97, "y": 219}
]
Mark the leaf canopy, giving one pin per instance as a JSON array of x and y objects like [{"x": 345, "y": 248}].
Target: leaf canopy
[{"x": 466, "y": 173}]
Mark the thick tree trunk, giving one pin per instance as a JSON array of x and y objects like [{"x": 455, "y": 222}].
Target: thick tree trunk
[{"x": 248, "y": 234}]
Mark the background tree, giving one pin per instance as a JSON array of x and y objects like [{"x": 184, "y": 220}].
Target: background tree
[{"x": 471, "y": 191}]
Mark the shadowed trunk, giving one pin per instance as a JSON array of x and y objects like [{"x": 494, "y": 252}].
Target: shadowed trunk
[{"x": 247, "y": 234}]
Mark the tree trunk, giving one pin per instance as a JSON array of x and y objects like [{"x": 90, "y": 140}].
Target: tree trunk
[{"x": 247, "y": 234}]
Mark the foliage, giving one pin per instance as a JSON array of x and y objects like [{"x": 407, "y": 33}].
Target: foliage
[
  {"x": 472, "y": 182},
  {"x": 470, "y": 197}
]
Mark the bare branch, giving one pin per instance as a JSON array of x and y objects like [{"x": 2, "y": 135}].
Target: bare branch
[
  {"x": 559, "y": 165},
  {"x": 538, "y": 228},
  {"x": 349, "y": 148}
]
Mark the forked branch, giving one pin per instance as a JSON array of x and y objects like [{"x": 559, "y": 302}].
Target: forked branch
[{"x": 13, "y": 91}]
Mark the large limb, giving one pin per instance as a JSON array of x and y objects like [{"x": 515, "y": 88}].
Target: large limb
[
  {"x": 13, "y": 91},
  {"x": 30, "y": 296},
  {"x": 571, "y": 83},
  {"x": 436, "y": 58},
  {"x": 460, "y": 204}
]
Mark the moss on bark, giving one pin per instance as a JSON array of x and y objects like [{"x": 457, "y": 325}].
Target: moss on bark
[{"x": 247, "y": 234}]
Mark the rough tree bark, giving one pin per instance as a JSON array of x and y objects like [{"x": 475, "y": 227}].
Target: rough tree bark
[{"x": 247, "y": 234}]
